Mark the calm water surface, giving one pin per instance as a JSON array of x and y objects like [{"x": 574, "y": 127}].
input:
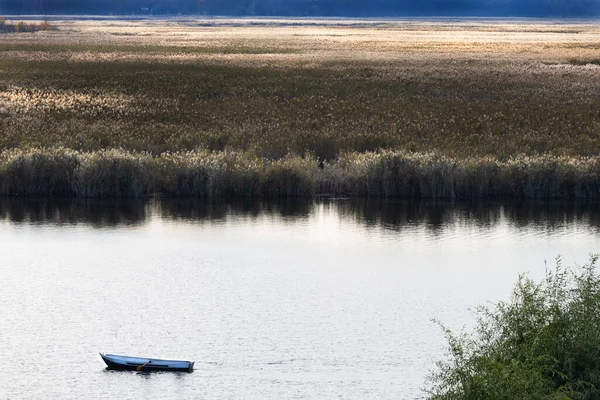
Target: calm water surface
[{"x": 323, "y": 299}]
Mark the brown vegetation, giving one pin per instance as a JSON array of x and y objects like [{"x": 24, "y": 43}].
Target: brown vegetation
[
  {"x": 21, "y": 26},
  {"x": 119, "y": 173},
  {"x": 404, "y": 109}
]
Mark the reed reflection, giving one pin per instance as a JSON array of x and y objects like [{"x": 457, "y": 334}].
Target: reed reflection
[
  {"x": 219, "y": 210},
  {"x": 436, "y": 216},
  {"x": 395, "y": 215},
  {"x": 96, "y": 213}
]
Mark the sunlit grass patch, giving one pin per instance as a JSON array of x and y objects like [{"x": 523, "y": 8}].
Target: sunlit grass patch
[{"x": 160, "y": 107}]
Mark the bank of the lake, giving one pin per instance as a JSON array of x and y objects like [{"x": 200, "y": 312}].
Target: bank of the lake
[{"x": 120, "y": 173}]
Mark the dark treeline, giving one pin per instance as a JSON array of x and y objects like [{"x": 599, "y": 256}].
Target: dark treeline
[{"x": 327, "y": 8}]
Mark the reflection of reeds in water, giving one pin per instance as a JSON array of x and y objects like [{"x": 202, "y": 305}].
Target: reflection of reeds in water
[
  {"x": 119, "y": 173},
  {"x": 437, "y": 215},
  {"x": 61, "y": 211},
  {"x": 397, "y": 215},
  {"x": 216, "y": 210}
]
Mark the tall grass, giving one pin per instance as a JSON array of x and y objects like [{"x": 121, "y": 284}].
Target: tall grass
[
  {"x": 121, "y": 173},
  {"x": 401, "y": 174},
  {"x": 161, "y": 107},
  {"x": 277, "y": 111},
  {"x": 544, "y": 343}
]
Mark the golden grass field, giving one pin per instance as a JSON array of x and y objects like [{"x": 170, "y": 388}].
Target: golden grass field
[{"x": 188, "y": 106}]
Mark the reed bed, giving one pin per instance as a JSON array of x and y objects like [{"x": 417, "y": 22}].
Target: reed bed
[
  {"x": 121, "y": 173},
  {"x": 459, "y": 111},
  {"x": 398, "y": 109},
  {"x": 22, "y": 27}
]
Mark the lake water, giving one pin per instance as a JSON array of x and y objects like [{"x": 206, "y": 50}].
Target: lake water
[{"x": 313, "y": 299}]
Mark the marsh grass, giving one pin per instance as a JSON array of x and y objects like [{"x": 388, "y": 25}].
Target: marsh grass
[
  {"x": 22, "y": 27},
  {"x": 121, "y": 173},
  {"x": 160, "y": 107},
  {"x": 437, "y": 120},
  {"x": 143, "y": 48}
]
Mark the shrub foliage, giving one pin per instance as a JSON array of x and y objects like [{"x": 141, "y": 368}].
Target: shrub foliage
[{"x": 544, "y": 343}]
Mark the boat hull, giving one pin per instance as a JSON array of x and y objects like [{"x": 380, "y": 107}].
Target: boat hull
[{"x": 125, "y": 363}]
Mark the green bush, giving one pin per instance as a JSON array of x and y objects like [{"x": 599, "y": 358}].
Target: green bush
[{"x": 544, "y": 343}]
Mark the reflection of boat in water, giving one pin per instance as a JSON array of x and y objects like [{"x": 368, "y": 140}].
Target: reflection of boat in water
[{"x": 125, "y": 363}]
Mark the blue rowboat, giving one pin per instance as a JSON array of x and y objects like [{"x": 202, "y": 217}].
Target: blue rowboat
[{"x": 125, "y": 363}]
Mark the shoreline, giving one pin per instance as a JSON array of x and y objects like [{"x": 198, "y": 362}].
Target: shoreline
[{"x": 383, "y": 174}]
